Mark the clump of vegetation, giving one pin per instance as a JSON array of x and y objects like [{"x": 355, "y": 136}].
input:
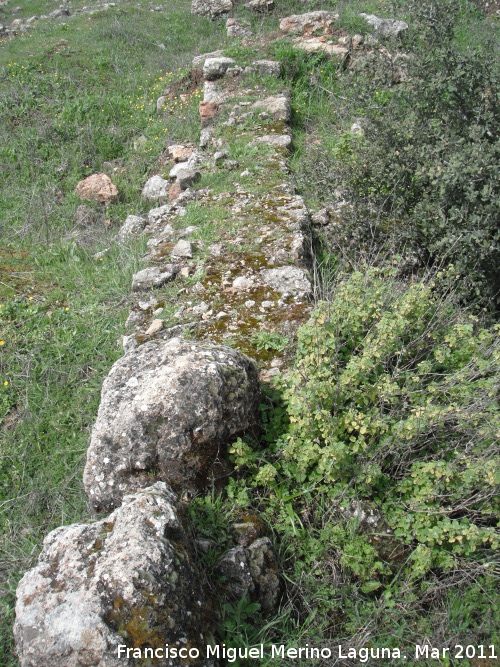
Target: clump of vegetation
[
  {"x": 421, "y": 175},
  {"x": 391, "y": 413}
]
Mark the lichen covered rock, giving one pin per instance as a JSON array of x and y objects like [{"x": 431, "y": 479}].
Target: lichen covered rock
[
  {"x": 168, "y": 411},
  {"x": 252, "y": 571},
  {"x": 124, "y": 581},
  {"x": 287, "y": 280},
  {"x": 133, "y": 226},
  {"x": 215, "y": 68}
]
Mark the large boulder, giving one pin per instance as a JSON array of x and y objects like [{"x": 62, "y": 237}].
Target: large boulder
[
  {"x": 125, "y": 581},
  {"x": 168, "y": 411},
  {"x": 211, "y": 8},
  {"x": 98, "y": 187}
]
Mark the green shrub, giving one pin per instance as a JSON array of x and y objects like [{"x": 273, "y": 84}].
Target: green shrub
[{"x": 393, "y": 400}]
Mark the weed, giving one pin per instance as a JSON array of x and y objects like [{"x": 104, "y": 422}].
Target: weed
[{"x": 268, "y": 340}]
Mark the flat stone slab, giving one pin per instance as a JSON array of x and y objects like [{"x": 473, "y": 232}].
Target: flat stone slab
[
  {"x": 153, "y": 277},
  {"x": 277, "y": 106},
  {"x": 278, "y": 140},
  {"x": 287, "y": 280}
]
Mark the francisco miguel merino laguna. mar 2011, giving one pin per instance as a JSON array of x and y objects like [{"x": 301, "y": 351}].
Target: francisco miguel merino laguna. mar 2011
[{"x": 362, "y": 655}]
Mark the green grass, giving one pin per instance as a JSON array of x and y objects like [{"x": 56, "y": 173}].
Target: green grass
[{"x": 77, "y": 95}]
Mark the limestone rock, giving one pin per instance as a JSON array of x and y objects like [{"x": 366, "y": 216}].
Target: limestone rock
[
  {"x": 185, "y": 173},
  {"x": 213, "y": 93},
  {"x": 98, "y": 187},
  {"x": 385, "y": 27},
  {"x": 126, "y": 580},
  {"x": 264, "y": 572},
  {"x": 180, "y": 152},
  {"x": 251, "y": 570},
  {"x": 206, "y": 136},
  {"x": 311, "y": 23},
  {"x": 215, "y": 68},
  {"x": 278, "y": 140},
  {"x": 160, "y": 102},
  {"x": 277, "y": 106},
  {"x": 155, "y": 188},
  {"x": 235, "y": 568},
  {"x": 154, "y": 327},
  {"x": 321, "y": 218},
  {"x": 237, "y": 29},
  {"x": 199, "y": 60},
  {"x": 211, "y": 8},
  {"x": 133, "y": 226},
  {"x": 159, "y": 214},
  {"x": 316, "y": 44},
  {"x": 152, "y": 277},
  {"x": 183, "y": 249},
  {"x": 267, "y": 67},
  {"x": 242, "y": 283},
  {"x": 168, "y": 411},
  {"x": 59, "y": 13},
  {"x": 287, "y": 280}
]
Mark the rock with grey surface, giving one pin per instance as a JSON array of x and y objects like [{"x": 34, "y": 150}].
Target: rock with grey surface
[
  {"x": 277, "y": 106},
  {"x": 251, "y": 570},
  {"x": 126, "y": 580},
  {"x": 215, "y": 68},
  {"x": 153, "y": 277},
  {"x": 310, "y": 23},
  {"x": 168, "y": 411},
  {"x": 133, "y": 226},
  {"x": 211, "y": 8},
  {"x": 155, "y": 189},
  {"x": 385, "y": 27},
  {"x": 287, "y": 280}
]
